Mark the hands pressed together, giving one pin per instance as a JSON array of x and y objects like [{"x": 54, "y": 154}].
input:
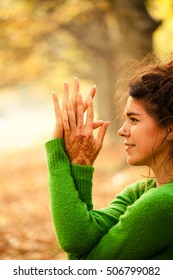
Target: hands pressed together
[{"x": 81, "y": 145}]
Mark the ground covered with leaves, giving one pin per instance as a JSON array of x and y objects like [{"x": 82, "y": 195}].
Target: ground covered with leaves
[{"x": 26, "y": 229}]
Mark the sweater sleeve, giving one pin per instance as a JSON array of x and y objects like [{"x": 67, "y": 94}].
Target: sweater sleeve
[
  {"x": 82, "y": 177},
  {"x": 145, "y": 231},
  {"x": 78, "y": 228}
]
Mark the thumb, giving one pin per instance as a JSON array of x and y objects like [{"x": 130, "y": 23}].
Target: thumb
[
  {"x": 97, "y": 124},
  {"x": 102, "y": 132}
]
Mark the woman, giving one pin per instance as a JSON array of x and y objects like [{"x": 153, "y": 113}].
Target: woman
[{"x": 138, "y": 223}]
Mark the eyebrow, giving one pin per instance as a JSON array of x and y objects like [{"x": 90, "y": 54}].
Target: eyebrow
[{"x": 129, "y": 114}]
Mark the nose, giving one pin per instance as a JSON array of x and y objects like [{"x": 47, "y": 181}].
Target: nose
[{"x": 123, "y": 131}]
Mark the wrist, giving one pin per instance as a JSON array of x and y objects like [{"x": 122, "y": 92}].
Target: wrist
[
  {"x": 81, "y": 161},
  {"x": 58, "y": 132}
]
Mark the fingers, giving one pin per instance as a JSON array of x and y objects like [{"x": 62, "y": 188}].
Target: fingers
[
  {"x": 74, "y": 95},
  {"x": 92, "y": 94},
  {"x": 90, "y": 114},
  {"x": 65, "y": 96},
  {"x": 58, "y": 132},
  {"x": 97, "y": 124},
  {"x": 66, "y": 124},
  {"x": 75, "y": 92},
  {"x": 57, "y": 108},
  {"x": 75, "y": 108},
  {"x": 75, "y": 88},
  {"x": 71, "y": 115},
  {"x": 80, "y": 113},
  {"x": 102, "y": 132}
]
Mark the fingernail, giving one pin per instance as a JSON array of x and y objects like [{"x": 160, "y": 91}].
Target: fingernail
[
  {"x": 65, "y": 83},
  {"x": 90, "y": 98},
  {"x": 53, "y": 93}
]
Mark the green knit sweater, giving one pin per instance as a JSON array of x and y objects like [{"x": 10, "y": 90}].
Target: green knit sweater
[{"x": 138, "y": 223}]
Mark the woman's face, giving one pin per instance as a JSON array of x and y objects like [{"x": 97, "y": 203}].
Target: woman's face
[{"x": 143, "y": 137}]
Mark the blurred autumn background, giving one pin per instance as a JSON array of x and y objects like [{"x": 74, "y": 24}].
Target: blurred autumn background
[{"x": 43, "y": 43}]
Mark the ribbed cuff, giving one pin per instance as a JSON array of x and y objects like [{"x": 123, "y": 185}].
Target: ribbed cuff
[
  {"x": 56, "y": 156},
  {"x": 83, "y": 176}
]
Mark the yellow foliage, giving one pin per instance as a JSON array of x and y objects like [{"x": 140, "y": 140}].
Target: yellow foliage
[
  {"x": 163, "y": 36},
  {"x": 31, "y": 40}
]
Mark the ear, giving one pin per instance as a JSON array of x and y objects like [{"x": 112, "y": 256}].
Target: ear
[{"x": 169, "y": 136}]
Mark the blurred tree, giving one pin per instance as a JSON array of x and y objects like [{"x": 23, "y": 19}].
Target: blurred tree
[
  {"x": 113, "y": 32},
  {"x": 37, "y": 37},
  {"x": 163, "y": 37}
]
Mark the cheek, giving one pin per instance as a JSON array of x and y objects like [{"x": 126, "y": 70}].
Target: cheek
[
  {"x": 145, "y": 142},
  {"x": 150, "y": 143},
  {"x": 146, "y": 136}
]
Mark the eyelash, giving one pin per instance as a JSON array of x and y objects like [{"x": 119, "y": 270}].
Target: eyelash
[{"x": 133, "y": 120}]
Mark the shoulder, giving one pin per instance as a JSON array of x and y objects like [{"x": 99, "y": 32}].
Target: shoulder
[
  {"x": 133, "y": 192},
  {"x": 153, "y": 207},
  {"x": 140, "y": 187},
  {"x": 157, "y": 201},
  {"x": 163, "y": 195}
]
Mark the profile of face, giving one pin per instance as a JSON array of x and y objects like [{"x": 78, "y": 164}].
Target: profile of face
[{"x": 145, "y": 142}]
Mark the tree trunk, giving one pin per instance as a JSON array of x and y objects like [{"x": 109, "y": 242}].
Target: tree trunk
[{"x": 111, "y": 37}]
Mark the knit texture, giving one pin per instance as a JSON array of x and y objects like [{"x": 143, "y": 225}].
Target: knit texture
[{"x": 138, "y": 223}]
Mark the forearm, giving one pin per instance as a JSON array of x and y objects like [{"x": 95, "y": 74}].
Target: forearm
[
  {"x": 57, "y": 158},
  {"x": 71, "y": 217},
  {"x": 70, "y": 195},
  {"x": 78, "y": 229},
  {"x": 82, "y": 176}
]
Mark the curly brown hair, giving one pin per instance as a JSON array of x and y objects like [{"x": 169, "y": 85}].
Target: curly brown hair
[{"x": 152, "y": 85}]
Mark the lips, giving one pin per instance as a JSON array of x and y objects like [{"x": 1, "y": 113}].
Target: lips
[{"x": 129, "y": 146}]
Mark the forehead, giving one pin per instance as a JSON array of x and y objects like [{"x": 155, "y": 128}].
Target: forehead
[{"x": 134, "y": 106}]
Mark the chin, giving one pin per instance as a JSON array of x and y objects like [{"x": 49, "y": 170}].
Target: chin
[{"x": 134, "y": 162}]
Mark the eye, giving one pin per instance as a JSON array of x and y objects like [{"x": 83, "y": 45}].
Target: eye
[{"x": 133, "y": 120}]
